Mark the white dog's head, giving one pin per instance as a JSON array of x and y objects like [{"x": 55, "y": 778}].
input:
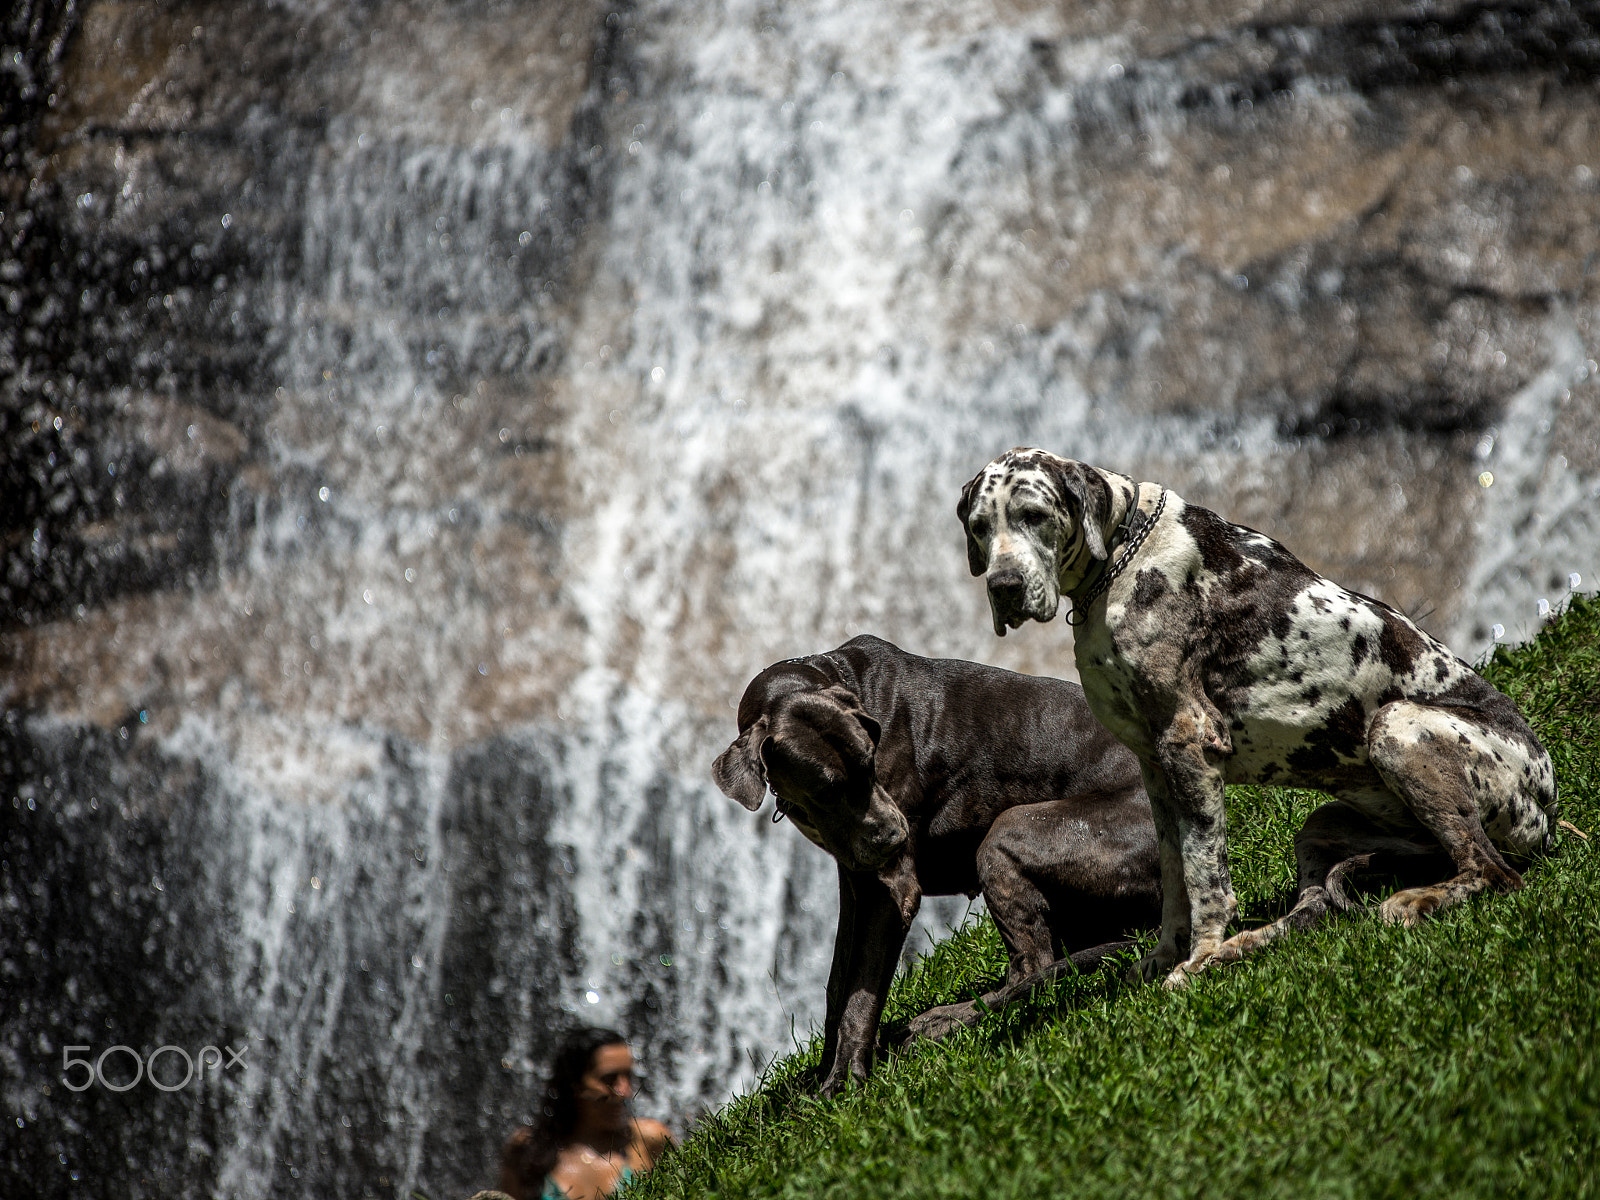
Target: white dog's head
[{"x": 1035, "y": 524}]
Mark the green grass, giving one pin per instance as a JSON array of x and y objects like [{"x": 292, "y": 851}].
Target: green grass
[{"x": 1458, "y": 1059}]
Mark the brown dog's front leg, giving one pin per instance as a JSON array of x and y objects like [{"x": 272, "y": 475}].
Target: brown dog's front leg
[
  {"x": 874, "y": 915},
  {"x": 838, "y": 975}
]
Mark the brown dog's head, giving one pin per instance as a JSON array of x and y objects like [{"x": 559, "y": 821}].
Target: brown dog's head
[
  {"x": 810, "y": 740},
  {"x": 1035, "y": 524}
]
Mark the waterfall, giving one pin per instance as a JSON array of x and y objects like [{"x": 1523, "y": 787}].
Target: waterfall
[{"x": 422, "y": 421}]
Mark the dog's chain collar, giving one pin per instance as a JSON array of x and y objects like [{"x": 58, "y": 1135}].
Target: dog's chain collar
[{"x": 1081, "y": 610}]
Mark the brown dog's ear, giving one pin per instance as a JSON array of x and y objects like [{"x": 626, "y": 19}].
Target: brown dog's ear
[
  {"x": 874, "y": 730},
  {"x": 977, "y": 560},
  {"x": 739, "y": 771},
  {"x": 850, "y": 702},
  {"x": 1087, "y": 495}
]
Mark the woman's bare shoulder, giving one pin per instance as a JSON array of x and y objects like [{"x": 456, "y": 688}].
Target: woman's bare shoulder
[{"x": 653, "y": 1137}]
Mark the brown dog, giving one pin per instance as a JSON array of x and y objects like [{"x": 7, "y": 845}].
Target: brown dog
[{"x": 938, "y": 777}]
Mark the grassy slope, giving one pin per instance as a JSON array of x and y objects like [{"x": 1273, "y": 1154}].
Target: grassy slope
[{"x": 1359, "y": 1060}]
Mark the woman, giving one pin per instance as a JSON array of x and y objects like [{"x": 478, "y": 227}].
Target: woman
[{"x": 584, "y": 1143}]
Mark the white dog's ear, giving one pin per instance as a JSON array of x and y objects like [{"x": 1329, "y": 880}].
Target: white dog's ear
[
  {"x": 739, "y": 770},
  {"x": 977, "y": 560},
  {"x": 1087, "y": 495}
]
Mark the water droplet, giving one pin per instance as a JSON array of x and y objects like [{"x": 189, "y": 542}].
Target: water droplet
[
  {"x": 411, "y": 576},
  {"x": 1544, "y": 607},
  {"x": 367, "y": 595},
  {"x": 524, "y": 238},
  {"x": 1486, "y": 479},
  {"x": 657, "y": 374},
  {"x": 1497, "y": 631},
  {"x": 323, "y": 494},
  {"x": 227, "y": 220},
  {"x": 483, "y": 668},
  {"x": 1574, "y": 580}
]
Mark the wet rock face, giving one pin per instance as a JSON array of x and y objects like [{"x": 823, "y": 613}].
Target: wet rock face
[{"x": 421, "y": 421}]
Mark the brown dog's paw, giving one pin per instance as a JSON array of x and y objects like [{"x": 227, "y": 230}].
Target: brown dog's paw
[
  {"x": 1151, "y": 967},
  {"x": 837, "y": 1082},
  {"x": 939, "y": 1023}
]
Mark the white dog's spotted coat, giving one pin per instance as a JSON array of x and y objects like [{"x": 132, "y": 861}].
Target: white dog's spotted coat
[{"x": 1218, "y": 657}]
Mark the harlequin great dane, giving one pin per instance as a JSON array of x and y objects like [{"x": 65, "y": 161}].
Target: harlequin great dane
[
  {"x": 1218, "y": 657},
  {"x": 934, "y": 776}
]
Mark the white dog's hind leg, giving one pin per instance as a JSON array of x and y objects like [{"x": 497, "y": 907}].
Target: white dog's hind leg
[
  {"x": 1337, "y": 840},
  {"x": 1458, "y": 778}
]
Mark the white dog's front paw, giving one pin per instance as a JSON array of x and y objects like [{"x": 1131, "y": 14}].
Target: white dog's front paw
[{"x": 1178, "y": 978}]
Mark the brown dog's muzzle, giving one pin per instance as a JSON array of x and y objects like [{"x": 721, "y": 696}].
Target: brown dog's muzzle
[{"x": 882, "y": 835}]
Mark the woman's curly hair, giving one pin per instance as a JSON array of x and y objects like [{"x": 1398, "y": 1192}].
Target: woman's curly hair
[{"x": 530, "y": 1153}]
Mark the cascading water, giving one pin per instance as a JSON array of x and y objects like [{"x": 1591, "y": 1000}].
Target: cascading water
[{"x": 421, "y": 422}]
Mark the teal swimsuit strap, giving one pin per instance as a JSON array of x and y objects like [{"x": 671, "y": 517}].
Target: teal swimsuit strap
[{"x": 552, "y": 1189}]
